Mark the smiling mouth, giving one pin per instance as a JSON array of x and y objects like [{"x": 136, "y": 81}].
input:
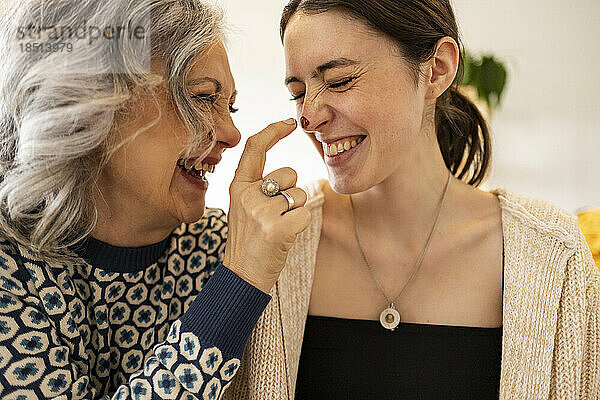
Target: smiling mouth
[
  {"x": 337, "y": 148},
  {"x": 196, "y": 169}
]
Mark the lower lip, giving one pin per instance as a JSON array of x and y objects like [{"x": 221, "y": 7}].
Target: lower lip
[
  {"x": 345, "y": 156},
  {"x": 199, "y": 183}
]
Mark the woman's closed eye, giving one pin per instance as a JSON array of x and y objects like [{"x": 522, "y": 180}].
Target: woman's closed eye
[
  {"x": 297, "y": 96},
  {"x": 205, "y": 98},
  {"x": 212, "y": 99},
  {"x": 341, "y": 84}
]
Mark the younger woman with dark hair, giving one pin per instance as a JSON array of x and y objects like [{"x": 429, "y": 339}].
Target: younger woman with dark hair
[{"x": 411, "y": 282}]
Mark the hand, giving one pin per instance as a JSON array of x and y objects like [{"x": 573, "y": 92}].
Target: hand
[{"x": 261, "y": 232}]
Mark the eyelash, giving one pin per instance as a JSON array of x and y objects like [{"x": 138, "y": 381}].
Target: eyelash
[
  {"x": 335, "y": 85},
  {"x": 212, "y": 99},
  {"x": 341, "y": 83}
]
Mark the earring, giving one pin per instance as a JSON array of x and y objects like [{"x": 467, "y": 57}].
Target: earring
[{"x": 304, "y": 122}]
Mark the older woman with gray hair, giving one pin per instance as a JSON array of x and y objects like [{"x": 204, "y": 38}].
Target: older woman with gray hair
[{"x": 111, "y": 115}]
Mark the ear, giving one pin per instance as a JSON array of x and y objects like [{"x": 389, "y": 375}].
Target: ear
[{"x": 443, "y": 67}]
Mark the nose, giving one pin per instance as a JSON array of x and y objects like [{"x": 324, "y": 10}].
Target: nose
[
  {"x": 227, "y": 133},
  {"x": 314, "y": 114}
]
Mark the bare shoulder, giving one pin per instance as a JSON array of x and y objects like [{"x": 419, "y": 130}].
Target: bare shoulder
[{"x": 476, "y": 217}]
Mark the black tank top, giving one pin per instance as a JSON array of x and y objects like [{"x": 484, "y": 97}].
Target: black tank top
[{"x": 359, "y": 359}]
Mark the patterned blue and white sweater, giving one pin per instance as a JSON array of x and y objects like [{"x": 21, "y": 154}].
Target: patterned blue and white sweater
[{"x": 128, "y": 323}]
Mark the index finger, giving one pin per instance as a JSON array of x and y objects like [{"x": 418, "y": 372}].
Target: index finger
[{"x": 252, "y": 162}]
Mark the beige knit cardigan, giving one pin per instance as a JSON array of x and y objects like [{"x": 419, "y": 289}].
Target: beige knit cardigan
[{"x": 551, "y": 309}]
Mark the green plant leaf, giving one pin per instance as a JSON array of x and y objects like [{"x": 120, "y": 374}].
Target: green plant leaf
[{"x": 488, "y": 75}]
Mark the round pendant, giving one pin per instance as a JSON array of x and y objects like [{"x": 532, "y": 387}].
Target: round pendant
[{"x": 389, "y": 318}]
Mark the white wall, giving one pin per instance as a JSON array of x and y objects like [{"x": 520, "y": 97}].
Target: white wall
[{"x": 546, "y": 136}]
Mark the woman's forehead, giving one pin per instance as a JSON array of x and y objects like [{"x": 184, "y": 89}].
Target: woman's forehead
[
  {"x": 213, "y": 64},
  {"x": 327, "y": 27},
  {"x": 313, "y": 40}
]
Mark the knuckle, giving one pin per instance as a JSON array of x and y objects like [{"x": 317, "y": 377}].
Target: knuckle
[
  {"x": 271, "y": 233},
  {"x": 289, "y": 241},
  {"x": 305, "y": 216},
  {"x": 291, "y": 172},
  {"x": 302, "y": 196},
  {"x": 271, "y": 126},
  {"x": 261, "y": 212},
  {"x": 252, "y": 141}
]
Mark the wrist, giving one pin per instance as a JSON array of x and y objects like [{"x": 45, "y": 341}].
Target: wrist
[{"x": 263, "y": 283}]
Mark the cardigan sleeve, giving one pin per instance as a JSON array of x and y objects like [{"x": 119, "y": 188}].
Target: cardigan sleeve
[
  {"x": 576, "y": 366},
  {"x": 197, "y": 359}
]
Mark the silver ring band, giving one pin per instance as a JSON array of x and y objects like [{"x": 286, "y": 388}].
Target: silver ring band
[{"x": 290, "y": 200}]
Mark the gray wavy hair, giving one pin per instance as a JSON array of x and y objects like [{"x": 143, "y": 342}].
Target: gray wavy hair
[{"x": 57, "y": 108}]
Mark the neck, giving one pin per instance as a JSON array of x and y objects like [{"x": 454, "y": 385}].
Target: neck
[
  {"x": 403, "y": 207},
  {"x": 126, "y": 224}
]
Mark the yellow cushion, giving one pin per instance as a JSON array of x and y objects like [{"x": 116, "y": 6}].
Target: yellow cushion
[{"x": 589, "y": 222}]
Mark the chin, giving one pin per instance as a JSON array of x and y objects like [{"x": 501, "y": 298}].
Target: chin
[
  {"x": 192, "y": 213},
  {"x": 196, "y": 216},
  {"x": 343, "y": 184}
]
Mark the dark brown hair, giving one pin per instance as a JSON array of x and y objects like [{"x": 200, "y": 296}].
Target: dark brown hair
[{"x": 416, "y": 26}]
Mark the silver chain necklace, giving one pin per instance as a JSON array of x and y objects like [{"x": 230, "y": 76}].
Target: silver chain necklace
[{"x": 390, "y": 317}]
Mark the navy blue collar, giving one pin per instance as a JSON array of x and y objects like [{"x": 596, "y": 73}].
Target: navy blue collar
[{"x": 119, "y": 259}]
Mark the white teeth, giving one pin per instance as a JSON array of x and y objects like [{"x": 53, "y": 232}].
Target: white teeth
[
  {"x": 198, "y": 166},
  {"x": 333, "y": 150}
]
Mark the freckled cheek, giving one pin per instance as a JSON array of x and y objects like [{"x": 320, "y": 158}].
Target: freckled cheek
[
  {"x": 366, "y": 115},
  {"x": 388, "y": 130},
  {"x": 352, "y": 109}
]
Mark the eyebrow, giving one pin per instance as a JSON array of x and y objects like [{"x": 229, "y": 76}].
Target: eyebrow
[
  {"x": 335, "y": 63},
  {"x": 218, "y": 85}
]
